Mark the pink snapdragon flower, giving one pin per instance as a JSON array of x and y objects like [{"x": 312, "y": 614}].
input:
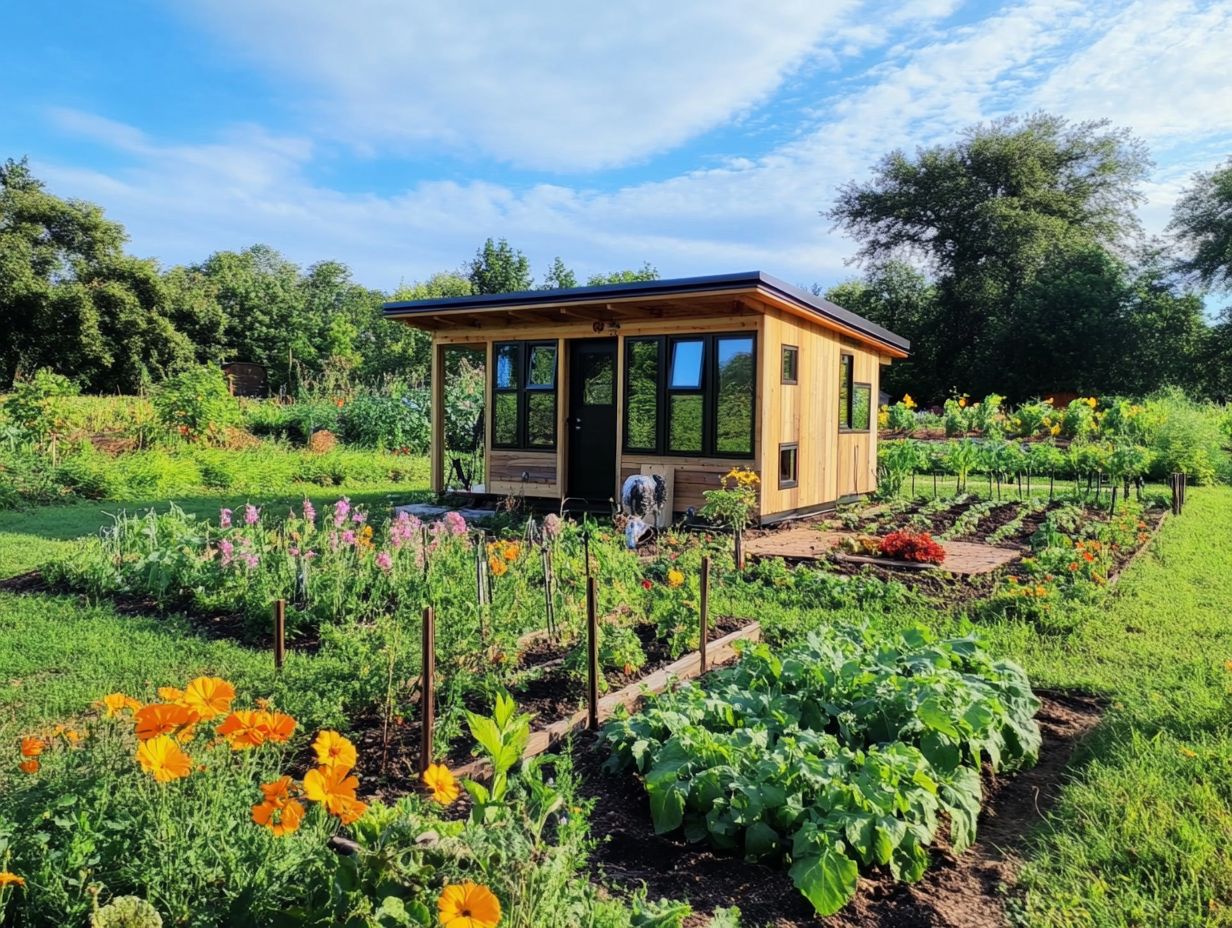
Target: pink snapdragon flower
[
  {"x": 348, "y": 537},
  {"x": 341, "y": 509},
  {"x": 455, "y": 523},
  {"x": 252, "y": 515},
  {"x": 224, "y": 518},
  {"x": 310, "y": 513},
  {"x": 359, "y": 517},
  {"x": 228, "y": 551},
  {"x": 384, "y": 561},
  {"x": 250, "y": 560},
  {"x": 403, "y": 529}
]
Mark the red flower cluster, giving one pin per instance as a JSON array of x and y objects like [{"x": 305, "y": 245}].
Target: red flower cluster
[{"x": 912, "y": 546}]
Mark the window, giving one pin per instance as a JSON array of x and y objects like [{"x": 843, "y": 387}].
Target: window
[
  {"x": 846, "y": 370},
  {"x": 861, "y": 406},
  {"x": 789, "y": 466},
  {"x": 790, "y": 363},
  {"x": 524, "y": 395},
  {"x": 690, "y": 395}
]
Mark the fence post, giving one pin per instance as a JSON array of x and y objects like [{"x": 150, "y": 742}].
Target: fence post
[
  {"x": 705, "y": 613},
  {"x": 280, "y": 632},
  {"x": 592, "y": 657},
  {"x": 1174, "y": 483},
  {"x": 427, "y": 688}
]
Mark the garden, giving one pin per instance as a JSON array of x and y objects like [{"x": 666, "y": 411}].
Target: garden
[{"x": 299, "y": 704}]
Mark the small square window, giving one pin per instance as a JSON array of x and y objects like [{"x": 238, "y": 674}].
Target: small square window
[
  {"x": 791, "y": 361},
  {"x": 789, "y": 466}
]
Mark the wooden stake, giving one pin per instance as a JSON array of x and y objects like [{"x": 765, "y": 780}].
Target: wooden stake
[
  {"x": 592, "y": 657},
  {"x": 705, "y": 613},
  {"x": 739, "y": 550},
  {"x": 280, "y": 632},
  {"x": 427, "y": 688}
]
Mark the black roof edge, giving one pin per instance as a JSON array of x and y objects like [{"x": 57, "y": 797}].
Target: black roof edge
[{"x": 645, "y": 288}]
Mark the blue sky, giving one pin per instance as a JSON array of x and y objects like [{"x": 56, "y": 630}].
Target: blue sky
[{"x": 703, "y": 136}]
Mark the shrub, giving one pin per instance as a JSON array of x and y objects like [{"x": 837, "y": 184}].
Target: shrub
[
  {"x": 912, "y": 546},
  {"x": 196, "y": 403},
  {"x": 37, "y": 406},
  {"x": 390, "y": 422}
]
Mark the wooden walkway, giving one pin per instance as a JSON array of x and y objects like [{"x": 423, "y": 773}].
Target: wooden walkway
[{"x": 963, "y": 558}]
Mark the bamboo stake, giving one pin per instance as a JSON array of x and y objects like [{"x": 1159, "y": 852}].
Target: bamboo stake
[
  {"x": 280, "y": 633},
  {"x": 427, "y": 689},
  {"x": 705, "y": 613},
  {"x": 592, "y": 657}
]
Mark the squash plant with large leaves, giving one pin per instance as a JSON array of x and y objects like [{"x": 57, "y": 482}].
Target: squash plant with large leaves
[{"x": 849, "y": 750}]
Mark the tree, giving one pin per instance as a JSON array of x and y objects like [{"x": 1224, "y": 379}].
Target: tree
[
  {"x": 987, "y": 214},
  {"x": 558, "y": 277},
  {"x": 902, "y": 299},
  {"x": 1202, "y": 224},
  {"x": 393, "y": 348},
  {"x": 645, "y": 272},
  {"x": 498, "y": 268},
  {"x": 71, "y": 299}
]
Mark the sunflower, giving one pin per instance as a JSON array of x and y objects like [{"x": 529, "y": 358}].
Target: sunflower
[
  {"x": 442, "y": 783},
  {"x": 209, "y": 697},
  {"x": 162, "y": 719},
  {"x": 161, "y": 757},
  {"x": 333, "y": 750},
  {"x": 332, "y": 787},
  {"x": 468, "y": 905}
]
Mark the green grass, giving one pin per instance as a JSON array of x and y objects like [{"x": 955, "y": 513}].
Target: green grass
[{"x": 1141, "y": 836}]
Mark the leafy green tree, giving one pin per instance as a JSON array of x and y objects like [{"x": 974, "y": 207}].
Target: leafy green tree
[
  {"x": 628, "y": 276},
  {"x": 499, "y": 268},
  {"x": 558, "y": 277},
  {"x": 988, "y": 214},
  {"x": 395, "y": 349},
  {"x": 71, "y": 299},
  {"x": 1202, "y": 224},
  {"x": 1167, "y": 333}
]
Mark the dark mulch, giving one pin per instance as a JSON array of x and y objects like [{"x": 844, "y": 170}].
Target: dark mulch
[
  {"x": 546, "y": 690},
  {"x": 957, "y": 892}
]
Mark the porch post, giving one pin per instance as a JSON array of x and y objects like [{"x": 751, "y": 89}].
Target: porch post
[{"x": 437, "y": 409}]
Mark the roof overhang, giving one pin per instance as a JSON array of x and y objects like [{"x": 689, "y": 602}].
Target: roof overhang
[{"x": 688, "y": 296}]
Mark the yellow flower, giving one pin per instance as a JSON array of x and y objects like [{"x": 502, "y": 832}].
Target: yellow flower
[
  {"x": 170, "y": 694},
  {"x": 498, "y": 566},
  {"x": 1186, "y": 752},
  {"x": 11, "y": 879},
  {"x": 209, "y": 697},
  {"x": 468, "y": 905},
  {"x": 161, "y": 757},
  {"x": 675, "y": 578},
  {"x": 115, "y": 703},
  {"x": 511, "y": 551},
  {"x": 908, "y": 401},
  {"x": 332, "y": 787},
  {"x": 333, "y": 750},
  {"x": 442, "y": 783},
  {"x": 962, "y": 402}
]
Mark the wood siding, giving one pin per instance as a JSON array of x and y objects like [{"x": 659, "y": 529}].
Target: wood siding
[{"x": 505, "y": 470}]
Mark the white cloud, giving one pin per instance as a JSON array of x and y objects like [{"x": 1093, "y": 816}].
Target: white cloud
[
  {"x": 554, "y": 85},
  {"x": 181, "y": 202}
]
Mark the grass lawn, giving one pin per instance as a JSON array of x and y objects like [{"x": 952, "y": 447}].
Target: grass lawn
[{"x": 1142, "y": 834}]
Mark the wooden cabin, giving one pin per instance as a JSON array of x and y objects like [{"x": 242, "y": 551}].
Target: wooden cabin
[{"x": 682, "y": 378}]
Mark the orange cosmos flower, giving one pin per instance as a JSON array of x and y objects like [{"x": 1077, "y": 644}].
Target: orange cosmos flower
[
  {"x": 498, "y": 566},
  {"x": 248, "y": 728},
  {"x": 333, "y": 750},
  {"x": 280, "y": 818},
  {"x": 209, "y": 697},
  {"x": 279, "y": 791},
  {"x": 32, "y": 747},
  {"x": 277, "y": 727},
  {"x": 161, "y": 757},
  {"x": 332, "y": 787},
  {"x": 170, "y": 694},
  {"x": 10, "y": 879},
  {"x": 351, "y": 810},
  {"x": 29, "y": 766},
  {"x": 115, "y": 703},
  {"x": 442, "y": 783},
  {"x": 468, "y": 905},
  {"x": 162, "y": 719}
]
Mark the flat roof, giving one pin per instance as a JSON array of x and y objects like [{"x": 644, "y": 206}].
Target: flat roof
[{"x": 680, "y": 286}]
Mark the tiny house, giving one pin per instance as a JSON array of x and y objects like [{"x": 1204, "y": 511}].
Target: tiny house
[{"x": 684, "y": 379}]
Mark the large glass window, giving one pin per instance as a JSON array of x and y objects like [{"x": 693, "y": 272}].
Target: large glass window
[
  {"x": 855, "y": 400},
  {"x": 690, "y": 395},
  {"x": 524, "y": 395}
]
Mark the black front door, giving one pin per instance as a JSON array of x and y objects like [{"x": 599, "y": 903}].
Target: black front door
[{"x": 592, "y": 418}]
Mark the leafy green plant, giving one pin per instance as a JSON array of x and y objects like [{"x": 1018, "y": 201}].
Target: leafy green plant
[{"x": 196, "y": 403}]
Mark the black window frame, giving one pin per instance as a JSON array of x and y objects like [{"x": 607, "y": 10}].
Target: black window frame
[
  {"x": 523, "y": 390},
  {"x": 708, "y": 390},
  {"x": 868, "y": 422},
  {"x": 793, "y": 481},
  {"x": 846, "y": 375},
  {"x": 794, "y": 351}
]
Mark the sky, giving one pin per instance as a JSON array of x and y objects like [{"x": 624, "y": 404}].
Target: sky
[{"x": 701, "y": 136}]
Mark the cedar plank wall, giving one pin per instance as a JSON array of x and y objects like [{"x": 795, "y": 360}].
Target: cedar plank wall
[{"x": 831, "y": 464}]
